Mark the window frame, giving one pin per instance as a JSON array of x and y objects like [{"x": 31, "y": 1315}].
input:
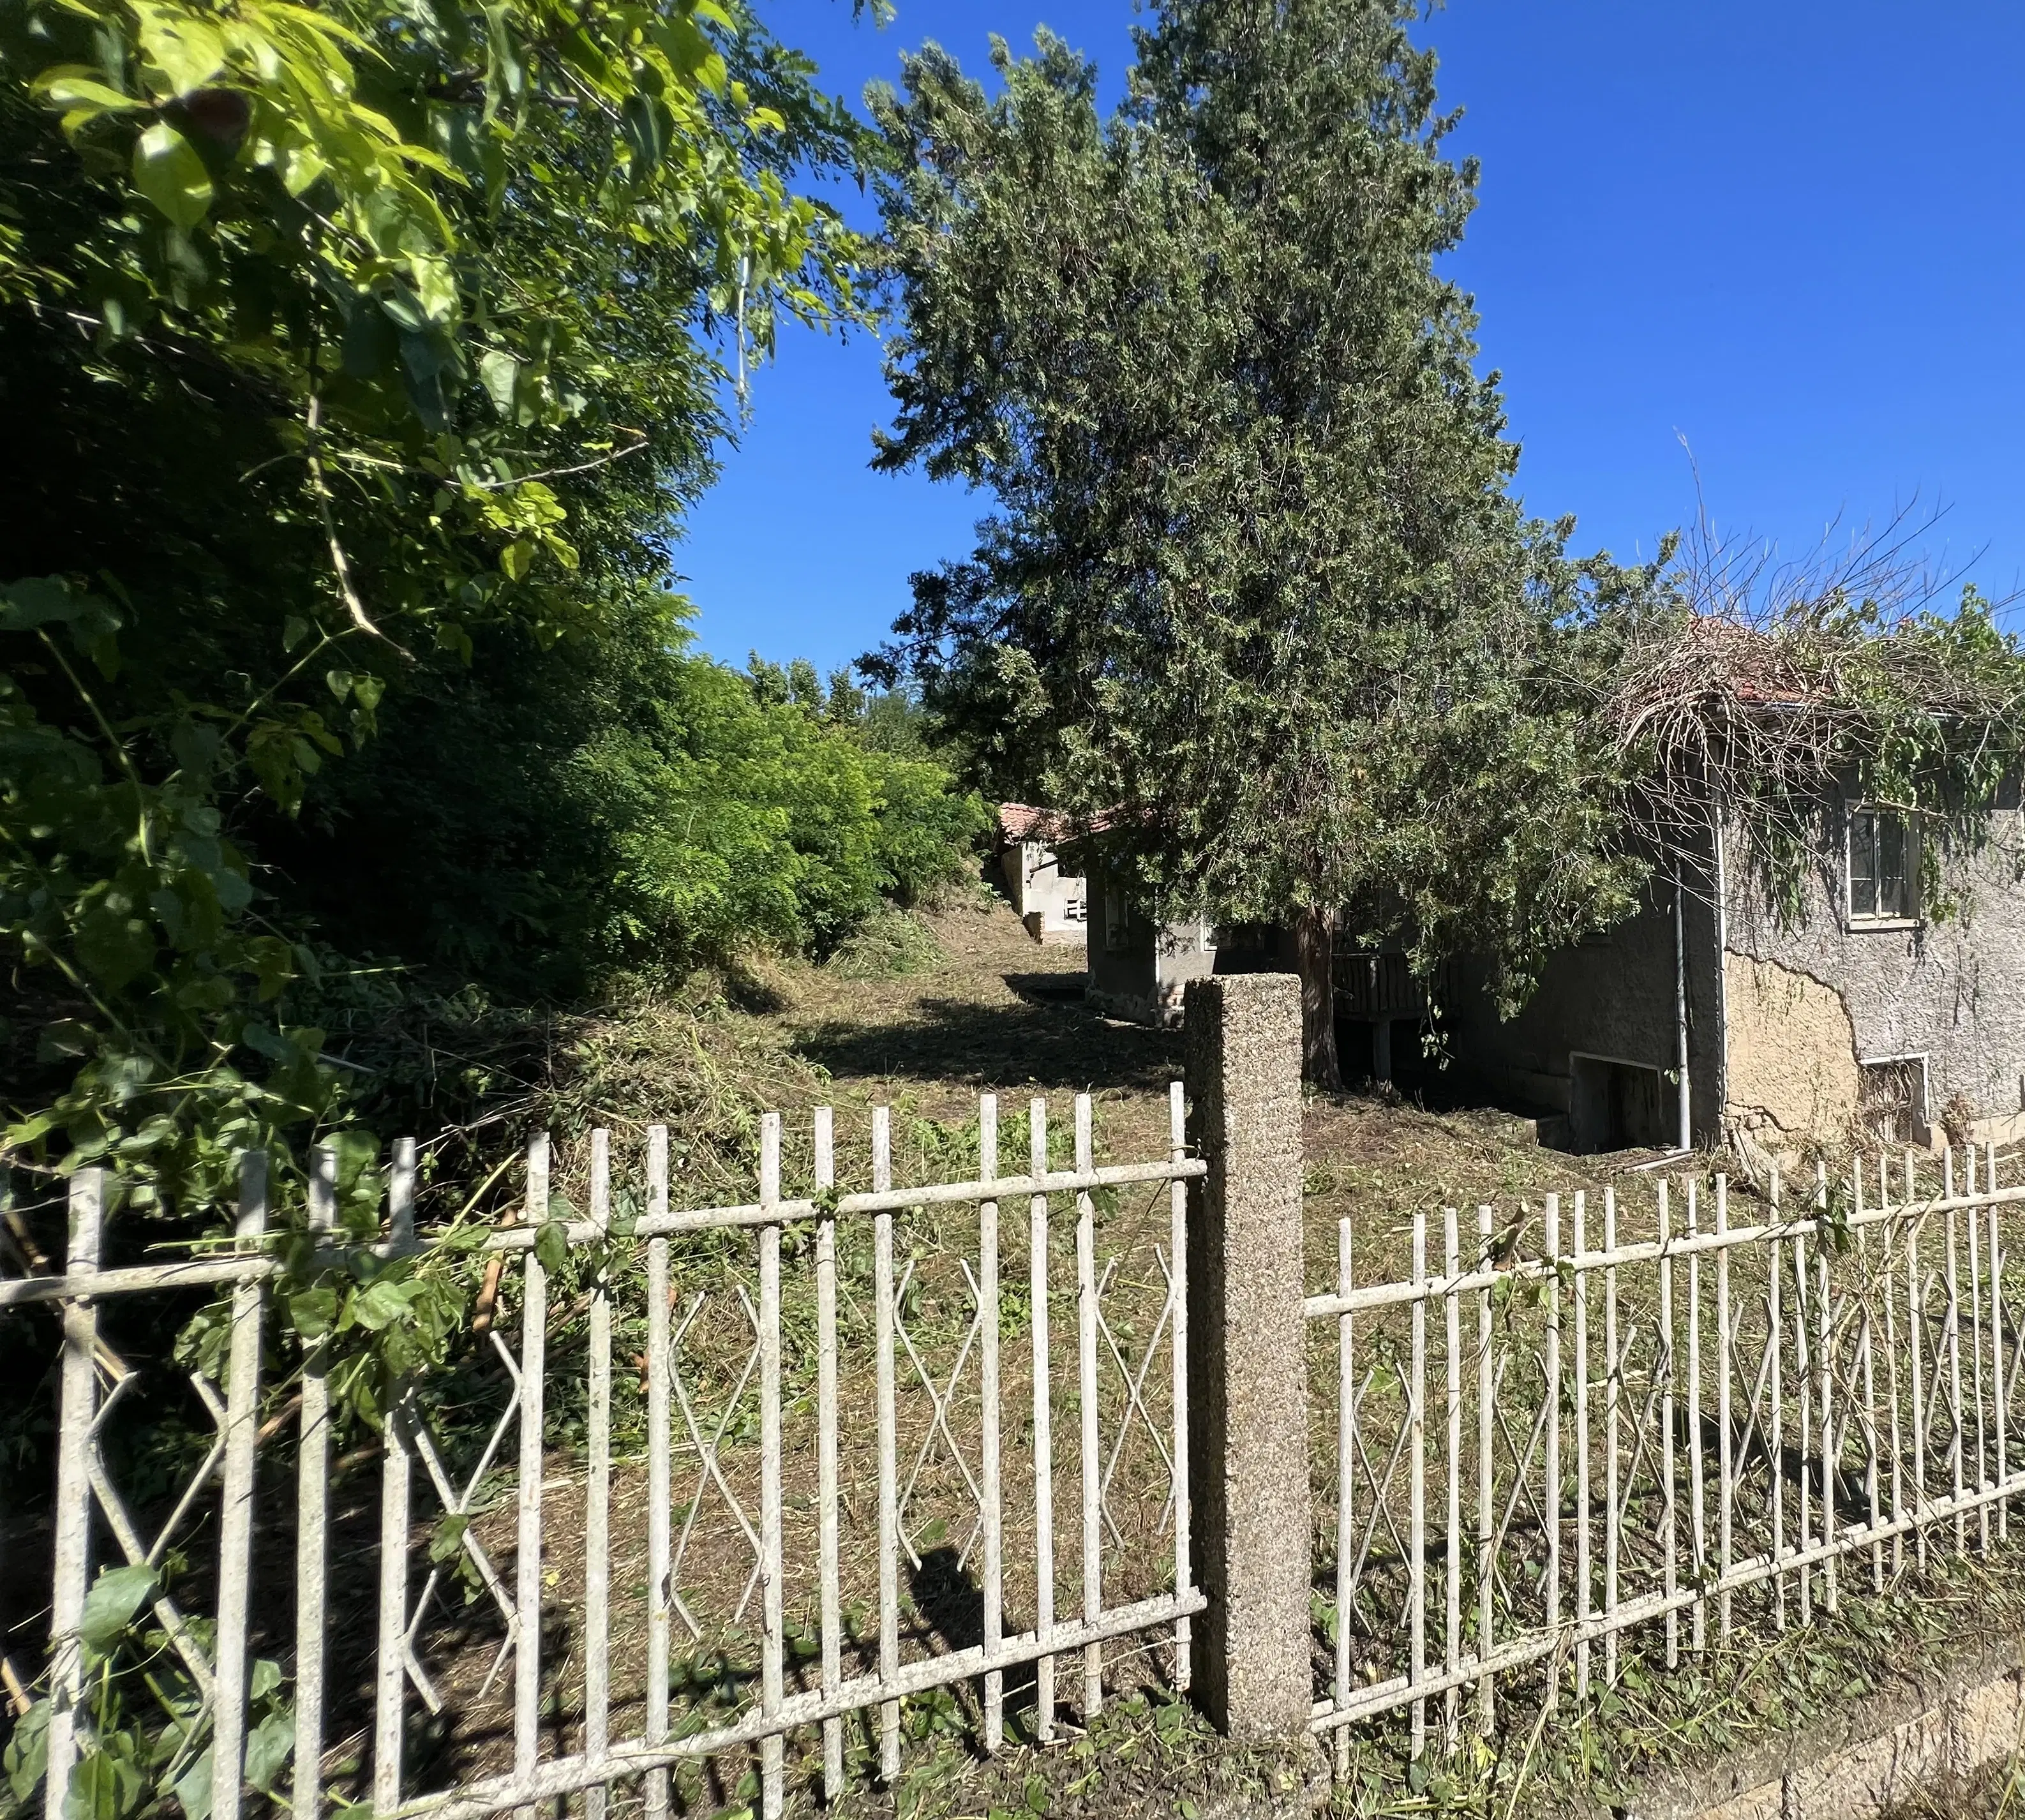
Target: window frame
[
  {"x": 1907, "y": 915},
  {"x": 1922, "y": 1119}
]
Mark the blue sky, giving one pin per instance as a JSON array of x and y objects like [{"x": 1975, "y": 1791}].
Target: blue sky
[{"x": 1794, "y": 233}]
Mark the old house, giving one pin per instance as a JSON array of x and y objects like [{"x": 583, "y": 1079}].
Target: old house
[
  {"x": 1708, "y": 1015},
  {"x": 1140, "y": 964},
  {"x": 1050, "y": 898},
  {"x": 1828, "y": 1005}
]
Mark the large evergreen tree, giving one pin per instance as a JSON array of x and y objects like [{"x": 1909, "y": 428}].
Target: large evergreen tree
[{"x": 1256, "y": 586}]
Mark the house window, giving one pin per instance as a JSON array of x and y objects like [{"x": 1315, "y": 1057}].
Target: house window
[
  {"x": 1076, "y": 909},
  {"x": 1891, "y": 1102},
  {"x": 1881, "y": 873}
]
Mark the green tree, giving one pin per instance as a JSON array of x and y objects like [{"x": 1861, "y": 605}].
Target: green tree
[
  {"x": 337, "y": 343},
  {"x": 1256, "y": 586}
]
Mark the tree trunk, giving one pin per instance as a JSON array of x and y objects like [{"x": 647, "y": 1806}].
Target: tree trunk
[{"x": 1314, "y": 950}]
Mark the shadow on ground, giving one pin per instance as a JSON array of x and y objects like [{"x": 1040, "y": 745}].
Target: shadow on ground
[{"x": 1045, "y": 1039}]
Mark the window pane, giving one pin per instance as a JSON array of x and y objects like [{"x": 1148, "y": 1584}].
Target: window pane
[
  {"x": 1863, "y": 864},
  {"x": 1895, "y": 897}
]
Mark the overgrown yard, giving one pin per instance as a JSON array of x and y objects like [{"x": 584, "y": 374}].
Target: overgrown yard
[{"x": 923, "y": 1014}]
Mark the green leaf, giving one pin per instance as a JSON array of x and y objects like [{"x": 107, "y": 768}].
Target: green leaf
[
  {"x": 501, "y": 372},
  {"x": 380, "y": 1305},
  {"x": 192, "y": 1787},
  {"x": 186, "y": 50},
  {"x": 551, "y": 1245},
  {"x": 27, "y": 1751},
  {"x": 168, "y": 172},
  {"x": 313, "y": 1311},
  {"x": 269, "y": 1747},
  {"x": 82, "y": 91},
  {"x": 104, "y": 1786},
  {"x": 116, "y": 1596}
]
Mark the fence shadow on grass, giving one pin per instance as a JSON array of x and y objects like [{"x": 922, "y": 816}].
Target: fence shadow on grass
[
  {"x": 951, "y": 1604},
  {"x": 1045, "y": 1039}
]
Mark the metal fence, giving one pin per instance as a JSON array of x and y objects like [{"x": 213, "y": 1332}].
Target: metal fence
[
  {"x": 785, "y": 1365},
  {"x": 1557, "y": 1429},
  {"x": 757, "y": 1486}
]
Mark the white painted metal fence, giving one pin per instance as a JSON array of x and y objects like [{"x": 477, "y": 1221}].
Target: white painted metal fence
[
  {"x": 720, "y": 1423},
  {"x": 1676, "y": 1430}
]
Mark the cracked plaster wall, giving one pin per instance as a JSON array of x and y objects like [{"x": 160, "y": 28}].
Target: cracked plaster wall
[{"x": 1806, "y": 1005}]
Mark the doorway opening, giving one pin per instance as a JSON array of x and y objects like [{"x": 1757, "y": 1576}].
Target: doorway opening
[{"x": 1619, "y": 1105}]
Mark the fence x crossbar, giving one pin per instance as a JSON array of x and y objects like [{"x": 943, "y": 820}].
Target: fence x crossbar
[{"x": 725, "y": 1419}]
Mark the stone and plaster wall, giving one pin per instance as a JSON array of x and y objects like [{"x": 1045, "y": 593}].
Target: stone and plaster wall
[
  {"x": 1049, "y": 900},
  {"x": 1139, "y": 968},
  {"x": 1613, "y": 997},
  {"x": 1808, "y": 1004},
  {"x": 1933, "y": 1731}
]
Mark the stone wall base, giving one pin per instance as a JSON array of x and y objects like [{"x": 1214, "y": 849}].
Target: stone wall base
[{"x": 1937, "y": 1730}]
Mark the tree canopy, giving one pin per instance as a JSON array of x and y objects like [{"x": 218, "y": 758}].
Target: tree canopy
[
  {"x": 360, "y": 363},
  {"x": 1257, "y": 588}
]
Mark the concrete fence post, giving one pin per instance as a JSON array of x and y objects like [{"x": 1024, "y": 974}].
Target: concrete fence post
[{"x": 1247, "y": 1381}]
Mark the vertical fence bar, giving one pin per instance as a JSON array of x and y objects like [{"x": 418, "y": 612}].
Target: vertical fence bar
[
  {"x": 1452, "y": 1451},
  {"x": 235, "y": 1528},
  {"x": 1092, "y": 1527},
  {"x": 828, "y": 1569},
  {"x": 396, "y": 1478},
  {"x": 1957, "y": 1461},
  {"x": 658, "y": 1471},
  {"x": 1824, "y": 1372},
  {"x": 1872, "y": 1477},
  {"x": 597, "y": 1487},
  {"x": 1417, "y": 1468},
  {"x": 1346, "y": 1482},
  {"x": 312, "y": 1518},
  {"x": 73, "y": 1507},
  {"x": 988, "y": 1466},
  {"x": 2002, "y": 1411},
  {"x": 1670, "y": 1526},
  {"x": 1725, "y": 1488},
  {"x": 527, "y": 1562},
  {"x": 1803, "y": 1371},
  {"x": 1486, "y": 1566},
  {"x": 1893, "y": 1234},
  {"x": 1972, "y": 1221},
  {"x": 1551, "y": 1502},
  {"x": 1178, "y": 1337},
  {"x": 1044, "y": 1447},
  {"x": 1585, "y": 1590},
  {"x": 773, "y": 1566},
  {"x": 1613, "y": 1425},
  {"x": 1775, "y": 1334},
  {"x": 1696, "y": 1474},
  {"x": 889, "y": 1463},
  {"x": 1917, "y": 1370}
]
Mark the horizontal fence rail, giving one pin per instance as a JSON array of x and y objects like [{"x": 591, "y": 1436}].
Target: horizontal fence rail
[
  {"x": 748, "y": 1479},
  {"x": 1676, "y": 1430}
]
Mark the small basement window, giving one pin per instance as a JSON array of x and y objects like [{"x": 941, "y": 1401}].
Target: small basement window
[
  {"x": 1891, "y": 1099},
  {"x": 1881, "y": 872}
]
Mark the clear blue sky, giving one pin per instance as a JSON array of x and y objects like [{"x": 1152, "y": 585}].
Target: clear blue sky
[{"x": 1793, "y": 233}]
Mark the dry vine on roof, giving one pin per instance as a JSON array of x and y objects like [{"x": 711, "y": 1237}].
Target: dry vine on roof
[{"x": 1769, "y": 690}]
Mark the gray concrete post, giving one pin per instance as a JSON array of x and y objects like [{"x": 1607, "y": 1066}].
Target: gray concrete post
[{"x": 1247, "y": 1381}]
